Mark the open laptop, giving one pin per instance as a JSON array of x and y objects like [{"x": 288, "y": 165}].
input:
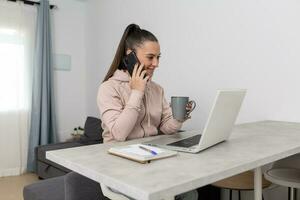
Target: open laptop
[{"x": 218, "y": 127}]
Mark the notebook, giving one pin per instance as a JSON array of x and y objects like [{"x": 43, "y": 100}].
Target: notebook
[{"x": 141, "y": 153}]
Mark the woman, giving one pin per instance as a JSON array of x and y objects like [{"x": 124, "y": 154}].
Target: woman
[{"x": 133, "y": 106}]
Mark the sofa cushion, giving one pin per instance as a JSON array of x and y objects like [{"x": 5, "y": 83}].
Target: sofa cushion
[{"x": 93, "y": 130}]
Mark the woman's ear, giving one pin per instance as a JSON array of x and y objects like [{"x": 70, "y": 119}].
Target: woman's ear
[{"x": 128, "y": 51}]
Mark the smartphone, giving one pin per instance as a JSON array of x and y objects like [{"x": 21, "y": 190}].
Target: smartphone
[{"x": 129, "y": 62}]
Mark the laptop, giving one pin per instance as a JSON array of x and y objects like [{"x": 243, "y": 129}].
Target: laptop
[{"x": 218, "y": 127}]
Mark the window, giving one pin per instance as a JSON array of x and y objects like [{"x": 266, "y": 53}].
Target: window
[
  {"x": 12, "y": 71},
  {"x": 17, "y": 35}
]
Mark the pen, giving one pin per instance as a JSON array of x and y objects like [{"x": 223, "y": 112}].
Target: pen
[{"x": 149, "y": 150}]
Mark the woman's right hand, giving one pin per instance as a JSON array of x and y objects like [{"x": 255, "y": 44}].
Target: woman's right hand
[{"x": 138, "y": 82}]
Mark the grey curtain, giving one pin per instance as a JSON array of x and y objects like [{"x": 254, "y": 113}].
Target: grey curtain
[{"x": 43, "y": 126}]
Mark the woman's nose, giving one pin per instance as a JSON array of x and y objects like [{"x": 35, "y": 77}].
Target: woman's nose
[{"x": 155, "y": 62}]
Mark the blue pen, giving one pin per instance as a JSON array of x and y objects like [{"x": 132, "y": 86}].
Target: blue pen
[{"x": 149, "y": 150}]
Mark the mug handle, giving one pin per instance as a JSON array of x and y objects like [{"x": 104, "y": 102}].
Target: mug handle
[{"x": 194, "y": 106}]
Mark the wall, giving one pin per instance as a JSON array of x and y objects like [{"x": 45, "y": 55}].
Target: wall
[
  {"x": 68, "y": 25},
  {"x": 97, "y": 57},
  {"x": 208, "y": 45}
]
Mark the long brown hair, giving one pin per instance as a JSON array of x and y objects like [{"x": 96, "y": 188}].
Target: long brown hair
[{"x": 133, "y": 37}]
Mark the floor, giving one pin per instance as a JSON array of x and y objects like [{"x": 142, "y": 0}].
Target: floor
[{"x": 11, "y": 188}]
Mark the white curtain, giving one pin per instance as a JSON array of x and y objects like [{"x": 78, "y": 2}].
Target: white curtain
[{"x": 17, "y": 36}]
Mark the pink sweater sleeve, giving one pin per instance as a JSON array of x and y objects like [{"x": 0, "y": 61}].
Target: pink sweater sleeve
[
  {"x": 119, "y": 118},
  {"x": 168, "y": 124}
]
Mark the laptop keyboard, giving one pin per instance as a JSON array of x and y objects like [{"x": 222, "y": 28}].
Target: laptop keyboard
[{"x": 188, "y": 142}]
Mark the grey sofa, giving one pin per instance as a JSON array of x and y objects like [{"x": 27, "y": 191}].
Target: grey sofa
[
  {"x": 61, "y": 183},
  {"x": 46, "y": 169}
]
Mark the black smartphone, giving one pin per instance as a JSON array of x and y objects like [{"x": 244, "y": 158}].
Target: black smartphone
[{"x": 129, "y": 62}]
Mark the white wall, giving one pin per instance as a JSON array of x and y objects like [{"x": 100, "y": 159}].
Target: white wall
[
  {"x": 69, "y": 38},
  {"x": 96, "y": 56},
  {"x": 208, "y": 45}
]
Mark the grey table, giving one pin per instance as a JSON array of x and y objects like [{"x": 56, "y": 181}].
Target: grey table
[{"x": 250, "y": 146}]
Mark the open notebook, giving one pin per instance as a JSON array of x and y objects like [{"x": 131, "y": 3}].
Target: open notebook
[{"x": 141, "y": 153}]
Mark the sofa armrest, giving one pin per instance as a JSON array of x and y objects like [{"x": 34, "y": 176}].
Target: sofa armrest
[{"x": 41, "y": 150}]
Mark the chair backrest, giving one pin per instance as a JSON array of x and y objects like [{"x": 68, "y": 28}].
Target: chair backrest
[{"x": 289, "y": 162}]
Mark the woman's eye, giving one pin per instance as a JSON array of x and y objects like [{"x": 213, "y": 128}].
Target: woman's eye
[{"x": 152, "y": 57}]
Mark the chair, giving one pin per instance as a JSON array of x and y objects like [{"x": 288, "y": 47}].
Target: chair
[
  {"x": 49, "y": 189},
  {"x": 71, "y": 186},
  {"x": 240, "y": 182},
  {"x": 286, "y": 172}
]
